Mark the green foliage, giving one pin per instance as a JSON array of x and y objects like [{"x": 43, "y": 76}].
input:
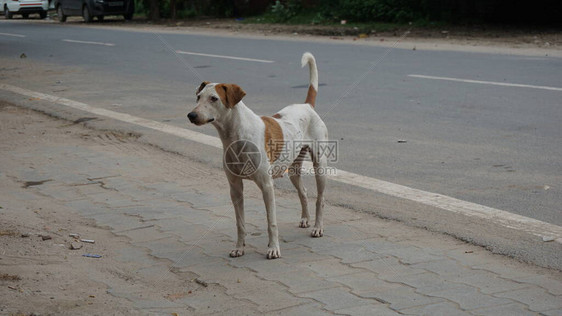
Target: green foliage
[
  {"x": 369, "y": 10},
  {"x": 283, "y": 12}
]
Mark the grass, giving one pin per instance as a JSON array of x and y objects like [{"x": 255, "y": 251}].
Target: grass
[{"x": 359, "y": 27}]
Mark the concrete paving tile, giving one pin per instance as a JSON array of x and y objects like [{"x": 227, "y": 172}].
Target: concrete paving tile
[
  {"x": 388, "y": 268},
  {"x": 312, "y": 243},
  {"x": 439, "y": 309},
  {"x": 265, "y": 267},
  {"x": 185, "y": 231},
  {"x": 270, "y": 297},
  {"x": 377, "y": 245},
  {"x": 161, "y": 274},
  {"x": 536, "y": 298},
  {"x": 312, "y": 309},
  {"x": 513, "y": 309},
  {"x": 136, "y": 255},
  {"x": 447, "y": 268},
  {"x": 150, "y": 304},
  {"x": 399, "y": 296},
  {"x": 338, "y": 298},
  {"x": 208, "y": 301},
  {"x": 300, "y": 254},
  {"x": 191, "y": 257},
  {"x": 350, "y": 253},
  {"x": 85, "y": 207},
  {"x": 61, "y": 192},
  {"x": 488, "y": 283},
  {"x": 164, "y": 246},
  {"x": 363, "y": 281},
  {"x": 116, "y": 221},
  {"x": 554, "y": 312},
  {"x": 469, "y": 298},
  {"x": 368, "y": 310},
  {"x": 345, "y": 232},
  {"x": 553, "y": 286},
  {"x": 144, "y": 235},
  {"x": 330, "y": 268},
  {"x": 372, "y": 228},
  {"x": 428, "y": 282},
  {"x": 301, "y": 281},
  {"x": 412, "y": 255}
]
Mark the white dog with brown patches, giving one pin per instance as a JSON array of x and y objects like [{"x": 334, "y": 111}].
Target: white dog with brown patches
[{"x": 262, "y": 148}]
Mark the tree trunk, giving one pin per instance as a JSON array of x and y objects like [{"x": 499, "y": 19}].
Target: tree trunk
[
  {"x": 154, "y": 10},
  {"x": 174, "y": 9}
]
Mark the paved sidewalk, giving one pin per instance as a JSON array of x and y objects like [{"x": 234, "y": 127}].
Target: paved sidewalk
[{"x": 179, "y": 210}]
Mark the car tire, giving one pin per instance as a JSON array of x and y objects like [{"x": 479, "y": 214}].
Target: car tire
[
  {"x": 60, "y": 13},
  {"x": 43, "y": 14},
  {"x": 128, "y": 16},
  {"x": 88, "y": 18},
  {"x": 7, "y": 14},
  {"x": 25, "y": 16},
  {"x": 100, "y": 18}
]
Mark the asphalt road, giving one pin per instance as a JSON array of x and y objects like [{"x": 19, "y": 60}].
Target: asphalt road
[{"x": 499, "y": 146}]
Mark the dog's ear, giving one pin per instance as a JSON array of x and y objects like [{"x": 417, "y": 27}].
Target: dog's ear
[
  {"x": 230, "y": 94},
  {"x": 203, "y": 84}
]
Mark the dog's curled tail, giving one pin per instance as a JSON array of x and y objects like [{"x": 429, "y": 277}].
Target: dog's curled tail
[{"x": 308, "y": 59}]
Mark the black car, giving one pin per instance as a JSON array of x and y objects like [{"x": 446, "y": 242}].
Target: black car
[{"x": 89, "y": 9}]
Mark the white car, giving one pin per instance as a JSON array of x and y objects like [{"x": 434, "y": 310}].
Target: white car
[{"x": 24, "y": 7}]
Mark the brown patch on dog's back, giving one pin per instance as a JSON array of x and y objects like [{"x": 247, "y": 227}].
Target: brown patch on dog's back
[
  {"x": 277, "y": 115},
  {"x": 273, "y": 138}
]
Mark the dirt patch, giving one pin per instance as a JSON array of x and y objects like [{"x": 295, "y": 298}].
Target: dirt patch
[{"x": 53, "y": 261}]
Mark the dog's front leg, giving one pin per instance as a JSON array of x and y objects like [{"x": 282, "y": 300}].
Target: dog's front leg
[
  {"x": 237, "y": 197},
  {"x": 266, "y": 186}
]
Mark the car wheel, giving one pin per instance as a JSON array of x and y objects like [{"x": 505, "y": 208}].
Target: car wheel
[
  {"x": 43, "y": 14},
  {"x": 60, "y": 13},
  {"x": 7, "y": 14},
  {"x": 87, "y": 15},
  {"x": 100, "y": 18},
  {"x": 25, "y": 16},
  {"x": 128, "y": 16}
]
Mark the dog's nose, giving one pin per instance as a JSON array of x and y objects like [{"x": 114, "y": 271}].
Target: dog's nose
[{"x": 192, "y": 116}]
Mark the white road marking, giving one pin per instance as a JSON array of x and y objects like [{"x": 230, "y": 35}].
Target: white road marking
[
  {"x": 10, "y": 34},
  {"x": 226, "y": 57},
  {"x": 86, "y": 42},
  {"x": 505, "y": 84},
  {"x": 503, "y": 218}
]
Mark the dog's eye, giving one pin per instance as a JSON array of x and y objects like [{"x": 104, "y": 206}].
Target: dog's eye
[
  {"x": 198, "y": 97},
  {"x": 213, "y": 99}
]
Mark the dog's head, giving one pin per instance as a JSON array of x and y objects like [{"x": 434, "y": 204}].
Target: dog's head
[{"x": 214, "y": 100}]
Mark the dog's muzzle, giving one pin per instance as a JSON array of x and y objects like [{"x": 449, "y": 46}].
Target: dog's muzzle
[{"x": 194, "y": 118}]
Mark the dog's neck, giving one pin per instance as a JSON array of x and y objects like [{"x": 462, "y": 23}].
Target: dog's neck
[{"x": 230, "y": 126}]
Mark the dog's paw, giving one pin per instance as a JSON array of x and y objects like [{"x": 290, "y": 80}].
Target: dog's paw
[
  {"x": 273, "y": 253},
  {"x": 317, "y": 232},
  {"x": 237, "y": 253},
  {"x": 304, "y": 223}
]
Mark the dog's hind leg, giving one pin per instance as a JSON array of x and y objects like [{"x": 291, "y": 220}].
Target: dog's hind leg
[
  {"x": 320, "y": 163},
  {"x": 295, "y": 176},
  {"x": 237, "y": 197}
]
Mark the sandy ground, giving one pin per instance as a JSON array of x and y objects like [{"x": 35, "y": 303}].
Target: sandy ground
[{"x": 39, "y": 272}]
